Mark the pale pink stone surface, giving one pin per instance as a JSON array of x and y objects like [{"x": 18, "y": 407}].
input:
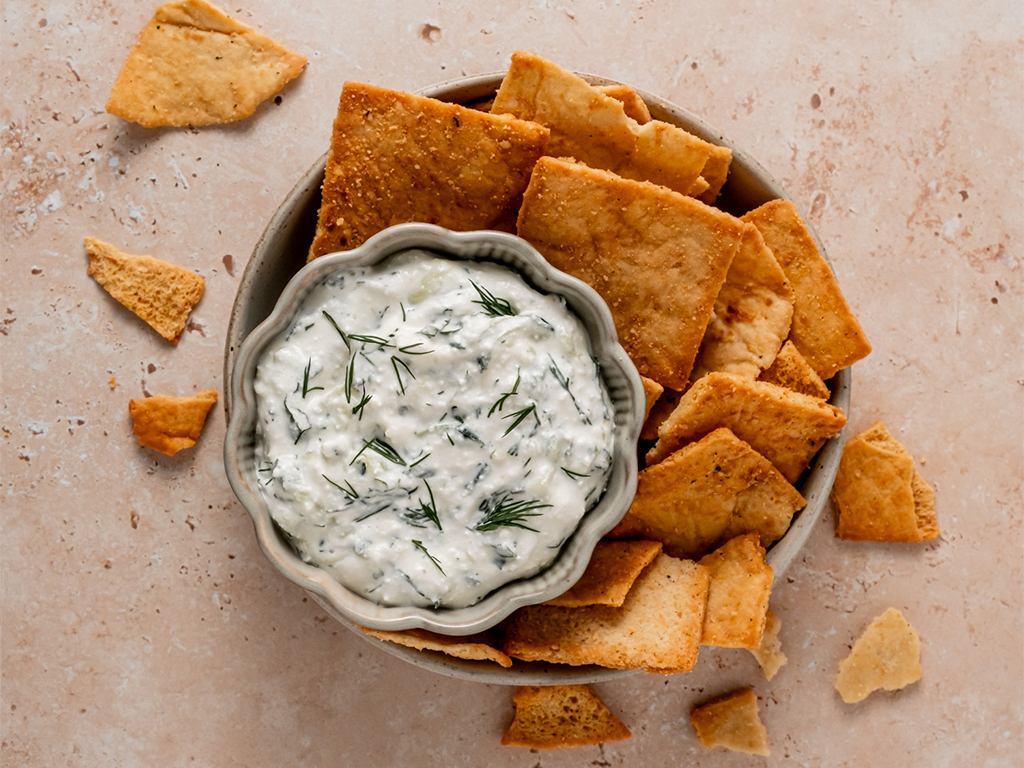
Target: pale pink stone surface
[{"x": 170, "y": 641}]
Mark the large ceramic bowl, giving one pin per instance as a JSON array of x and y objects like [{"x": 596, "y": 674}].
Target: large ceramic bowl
[{"x": 281, "y": 253}]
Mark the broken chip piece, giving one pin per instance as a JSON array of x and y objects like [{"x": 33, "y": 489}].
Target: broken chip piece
[
  {"x": 613, "y": 568},
  {"x": 632, "y": 104},
  {"x": 561, "y": 716},
  {"x": 741, "y": 583},
  {"x": 195, "y": 65},
  {"x": 769, "y": 654},
  {"x": 477, "y": 647},
  {"x": 731, "y": 721},
  {"x": 879, "y": 494},
  {"x": 887, "y": 655},
  {"x": 170, "y": 424},
  {"x": 396, "y": 158},
  {"x": 791, "y": 370},
  {"x": 652, "y": 391},
  {"x": 160, "y": 293}
]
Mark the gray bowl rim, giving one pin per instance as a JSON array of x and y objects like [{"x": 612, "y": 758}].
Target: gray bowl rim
[{"x": 815, "y": 484}]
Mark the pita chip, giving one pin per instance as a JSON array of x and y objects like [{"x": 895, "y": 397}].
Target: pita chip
[
  {"x": 791, "y": 370},
  {"x": 707, "y": 493},
  {"x": 613, "y": 568},
  {"x": 478, "y": 647},
  {"x": 396, "y": 157},
  {"x": 660, "y": 410},
  {"x": 195, "y": 65},
  {"x": 715, "y": 173},
  {"x": 752, "y": 313},
  {"x": 170, "y": 424},
  {"x": 769, "y": 654},
  {"x": 632, "y": 104},
  {"x": 731, "y": 721},
  {"x": 887, "y": 655},
  {"x": 561, "y": 716},
  {"x": 824, "y": 329},
  {"x": 160, "y": 293},
  {"x": 593, "y": 127},
  {"x": 879, "y": 494},
  {"x": 741, "y": 582},
  {"x": 656, "y": 257},
  {"x": 785, "y": 427},
  {"x": 652, "y": 391}
]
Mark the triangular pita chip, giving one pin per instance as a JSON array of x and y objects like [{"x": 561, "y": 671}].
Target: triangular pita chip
[
  {"x": 731, "y": 721},
  {"x": 195, "y": 65},
  {"x": 561, "y": 716},
  {"x": 478, "y": 647},
  {"x": 396, "y": 157},
  {"x": 887, "y": 655},
  {"x": 613, "y": 568},
  {"x": 791, "y": 370},
  {"x": 170, "y": 424},
  {"x": 162, "y": 294},
  {"x": 741, "y": 583}
]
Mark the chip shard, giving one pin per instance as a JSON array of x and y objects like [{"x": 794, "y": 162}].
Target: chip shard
[
  {"x": 159, "y": 293},
  {"x": 879, "y": 494},
  {"x": 769, "y": 654},
  {"x": 561, "y": 716},
  {"x": 396, "y": 157},
  {"x": 195, "y": 65},
  {"x": 170, "y": 424},
  {"x": 731, "y": 721},
  {"x": 887, "y": 656}
]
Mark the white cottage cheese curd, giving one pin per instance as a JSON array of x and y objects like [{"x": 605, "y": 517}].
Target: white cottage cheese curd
[{"x": 431, "y": 429}]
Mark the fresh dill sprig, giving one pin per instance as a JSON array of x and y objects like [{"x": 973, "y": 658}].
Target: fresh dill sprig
[
  {"x": 428, "y": 511},
  {"x": 358, "y": 407},
  {"x": 508, "y": 513},
  {"x": 306, "y": 389},
  {"x": 365, "y": 339},
  {"x": 266, "y": 468},
  {"x": 350, "y": 491},
  {"x": 519, "y": 416},
  {"x": 500, "y": 403},
  {"x": 493, "y": 305},
  {"x": 350, "y": 375},
  {"x": 397, "y": 361},
  {"x": 382, "y": 449},
  {"x": 574, "y": 475},
  {"x": 434, "y": 560},
  {"x": 560, "y": 377},
  {"x": 344, "y": 336},
  {"x": 421, "y": 458},
  {"x": 407, "y": 349},
  {"x": 403, "y": 310}
]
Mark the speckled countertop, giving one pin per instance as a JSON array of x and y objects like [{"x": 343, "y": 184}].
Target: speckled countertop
[{"x": 142, "y": 626}]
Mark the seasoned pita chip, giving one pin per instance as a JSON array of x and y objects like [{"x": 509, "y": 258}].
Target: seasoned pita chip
[
  {"x": 396, "y": 158},
  {"x": 161, "y": 294},
  {"x": 657, "y": 629},
  {"x": 632, "y": 104},
  {"x": 741, "y": 582},
  {"x": 715, "y": 173},
  {"x": 824, "y": 329},
  {"x": 887, "y": 655},
  {"x": 879, "y": 494},
  {"x": 792, "y": 371},
  {"x": 707, "y": 493},
  {"x": 652, "y": 391},
  {"x": 613, "y": 568},
  {"x": 656, "y": 257},
  {"x": 752, "y": 313},
  {"x": 785, "y": 427},
  {"x": 731, "y": 721},
  {"x": 170, "y": 424},
  {"x": 661, "y": 410},
  {"x": 474, "y": 647},
  {"x": 769, "y": 655},
  {"x": 195, "y": 65},
  {"x": 561, "y": 716},
  {"x": 593, "y": 128}
]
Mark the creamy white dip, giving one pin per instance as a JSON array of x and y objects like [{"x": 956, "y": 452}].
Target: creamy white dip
[{"x": 431, "y": 429}]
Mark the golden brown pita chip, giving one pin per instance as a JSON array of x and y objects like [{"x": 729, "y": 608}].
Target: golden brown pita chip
[
  {"x": 715, "y": 173},
  {"x": 632, "y": 104},
  {"x": 792, "y": 371},
  {"x": 656, "y": 257},
  {"x": 657, "y": 629},
  {"x": 652, "y": 391},
  {"x": 887, "y": 655},
  {"x": 169, "y": 424},
  {"x": 478, "y": 647},
  {"x": 661, "y": 410},
  {"x": 613, "y": 568},
  {"x": 195, "y": 65},
  {"x": 824, "y": 329},
  {"x": 769, "y": 655},
  {"x": 561, "y": 716},
  {"x": 785, "y": 427},
  {"x": 751, "y": 316},
  {"x": 396, "y": 158},
  {"x": 161, "y": 294},
  {"x": 707, "y": 493},
  {"x": 879, "y": 494},
  {"x": 731, "y": 721},
  {"x": 594, "y": 128},
  {"x": 741, "y": 582}
]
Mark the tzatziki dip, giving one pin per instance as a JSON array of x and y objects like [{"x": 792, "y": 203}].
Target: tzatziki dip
[{"x": 430, "y": 429}]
